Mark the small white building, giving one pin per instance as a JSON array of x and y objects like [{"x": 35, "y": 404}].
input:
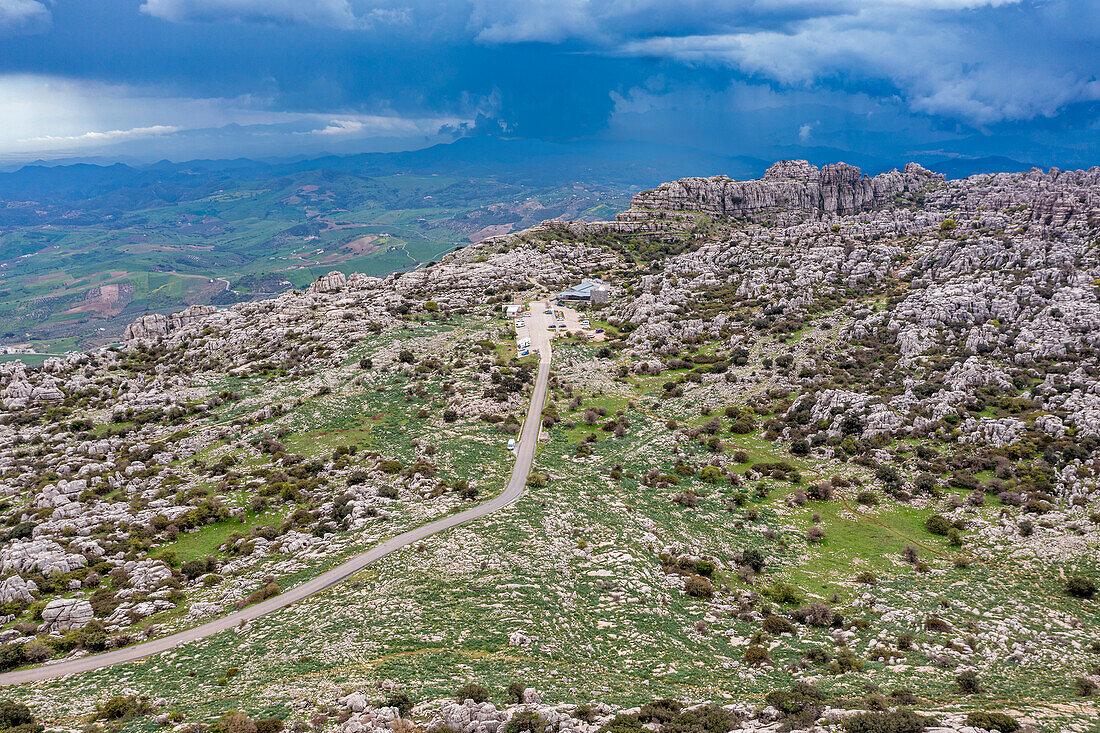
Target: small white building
[{"x": 513, "y": 309}]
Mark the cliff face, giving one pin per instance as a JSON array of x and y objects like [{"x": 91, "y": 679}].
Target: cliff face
[{"x": 788, "y": 185}]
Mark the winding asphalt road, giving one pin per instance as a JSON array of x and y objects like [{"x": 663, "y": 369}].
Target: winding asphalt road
[{"x": 525, "y": 454}]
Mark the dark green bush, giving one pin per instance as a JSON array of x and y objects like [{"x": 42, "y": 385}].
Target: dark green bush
[
  {"x": 26, "y": 728},
  {"x": 526, "y": 721},
  {"x": 801, "y": 705},
  {"x": 14, "y": 714},
  {"x": 992, "y": 721},
  {"x": 896, "y": 721},
  {"x": 753, "y": 558},
  {"x": 1081, "y": 586},
  {"x": 703, "y": 719},
  {"x": 846, "y": 661},
  {"x": 12, "y": 656},
  {"x": 968, "y": 682},
  {"x": 623, "y": 723},
  {"x": 937, "y": 524},
  {"x": 756, "y": 655},
  {"x": 514, "y": 694},
  {"x": 699, "y": 587},
  {"x": 270, "y": 725},
  {"x": 401, "y": 701},
  {"x": 472, "y": 691},
  {"x": 776, "y": 625},
  {"x": 660, "y": 711},
  {"x": 1085, "y": 687},
  {"x": 124, "y": 707}
]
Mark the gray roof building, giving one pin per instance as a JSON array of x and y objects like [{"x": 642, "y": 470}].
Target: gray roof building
[{"x": 589, "y": 289}]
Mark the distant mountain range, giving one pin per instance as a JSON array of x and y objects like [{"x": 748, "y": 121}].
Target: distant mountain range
[{"x": 531, "y": 162}]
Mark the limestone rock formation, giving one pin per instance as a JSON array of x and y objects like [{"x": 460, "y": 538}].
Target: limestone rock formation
[
  {"x": 15, "y": 588},
  {"x": 329, "y": 283},
  {"x": 147, "y": 327},
  {"x": 788, "y": 186},
  {"x": 44, "y": 556},
  {"x": 65, "y": 614}
]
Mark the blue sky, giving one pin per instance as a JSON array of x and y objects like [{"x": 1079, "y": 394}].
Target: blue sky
[{"x": 883, "y": 78}]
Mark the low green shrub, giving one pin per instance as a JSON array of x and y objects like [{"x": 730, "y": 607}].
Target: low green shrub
[
  {"x": 895, "y": 721},
  {"x": 1080, "y": 586},
  {"x": 785, "y": 593},
  {"x": 992, "y": 721},
  {"x": 401, "y": 701},
  {"x": 123, "y": 707},
  {"x": 699, "y": 587},
  {"x": 527, "y": 721},
  {"x": 938, "y": 524},
  {"x": 703, "y": 719},
  {"x": 472, "y": 691},
  {"x": 776, "y": 625},
  {"x": 16, "y": 715},
  {"x": 660, "y": 711},
  {"x": 846, "y": 661},
  {"x": 968, "y": 682},
  {"x": 624, "y": 723}
]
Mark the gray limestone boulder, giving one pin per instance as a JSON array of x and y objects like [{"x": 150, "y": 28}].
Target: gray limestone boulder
[
  {"x": 329, "y": 283},
  {"x": 65, "y": 614},
  {"x": 147, "y": 327},
  {"x": 16, "y": 588}
]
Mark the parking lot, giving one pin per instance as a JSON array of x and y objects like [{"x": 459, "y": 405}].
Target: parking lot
[
  {"x": 559, "y": 321},
  {"x": 574, "y": 322}
]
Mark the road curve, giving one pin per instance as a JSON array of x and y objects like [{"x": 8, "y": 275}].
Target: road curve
[{"x": 525, "y": 454}]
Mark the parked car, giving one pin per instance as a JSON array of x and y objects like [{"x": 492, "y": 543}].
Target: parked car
[
  {"x": 520, "y": 323},
  {"x": 599, "y": 330},
  {"x": 511, "y": 443}
]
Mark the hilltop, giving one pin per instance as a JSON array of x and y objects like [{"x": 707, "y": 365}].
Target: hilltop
[{"x": 837, "y": 453}]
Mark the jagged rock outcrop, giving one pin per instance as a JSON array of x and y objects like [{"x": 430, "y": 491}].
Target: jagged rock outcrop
[
  {"x": 189, "y": 315},
  {"x": 148, "y": 327},
  {"x": 16, "y": 588},
  {"x": 153, "y": 326},
  {"x": 789, "y": 186},
  {"x": 44, "y": 556},
  {"x": 329, "y": 283}
]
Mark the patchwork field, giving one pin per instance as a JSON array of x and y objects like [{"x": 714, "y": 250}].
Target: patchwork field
[{"x": 80, "y": 279}]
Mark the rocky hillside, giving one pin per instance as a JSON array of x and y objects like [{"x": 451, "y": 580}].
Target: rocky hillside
[{"x": 839, "y": 453}]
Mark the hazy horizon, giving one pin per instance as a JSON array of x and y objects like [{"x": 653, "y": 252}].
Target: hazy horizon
[{"x": 889, "y": 80}]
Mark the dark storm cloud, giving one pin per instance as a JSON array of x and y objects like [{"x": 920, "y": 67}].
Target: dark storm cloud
[{"x": 932, "y": 69}]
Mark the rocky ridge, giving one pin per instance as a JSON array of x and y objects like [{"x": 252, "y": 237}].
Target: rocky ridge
[{"x": 789, "y": 186}]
